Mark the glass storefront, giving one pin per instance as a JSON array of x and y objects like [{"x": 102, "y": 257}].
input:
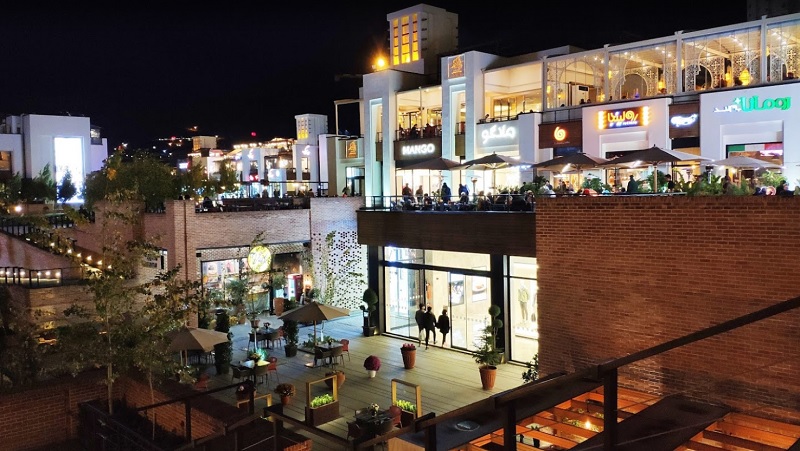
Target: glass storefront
[{"x": 459, "y": 282}]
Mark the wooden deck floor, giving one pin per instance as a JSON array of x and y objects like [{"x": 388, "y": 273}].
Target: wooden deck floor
[{"x": 449, "y": 379}]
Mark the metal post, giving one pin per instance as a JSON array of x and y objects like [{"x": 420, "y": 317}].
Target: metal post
[{"x": 610, "y": 409}]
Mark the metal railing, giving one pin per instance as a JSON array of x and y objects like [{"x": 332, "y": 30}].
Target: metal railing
[{"x": 498, "y": 203}]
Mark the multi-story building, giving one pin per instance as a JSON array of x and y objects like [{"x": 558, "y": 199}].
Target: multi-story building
[{"x": 30, "y": 142}]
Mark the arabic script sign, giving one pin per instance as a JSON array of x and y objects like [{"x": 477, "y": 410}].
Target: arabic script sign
[
  {"x": 630, "y": 117},
  {"x": 684, "y": 121},
  {"x": 498, "y": 132},
  {"x": 745, "y": 104}
]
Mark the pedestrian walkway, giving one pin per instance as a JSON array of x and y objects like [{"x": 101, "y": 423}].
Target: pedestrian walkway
[{"x": 449, "y": 379}]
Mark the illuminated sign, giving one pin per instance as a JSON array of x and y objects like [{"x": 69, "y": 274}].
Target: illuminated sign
[
  {"x": 751, "y": 104},
  {"x": 684, "y": 121},
  {"x": 455, "y": 66},
  {"x": 419, "y": 149},
  {"x": 496, "y": 132},
  {"x": 631, "y": 117},
  {"x": 352, "y": 149},
  {"x": 559, "y": 134},
  {"x": 306, "y": 150}
]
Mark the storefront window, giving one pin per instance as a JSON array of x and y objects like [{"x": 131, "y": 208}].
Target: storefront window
[{"x": 524, "y": 316}]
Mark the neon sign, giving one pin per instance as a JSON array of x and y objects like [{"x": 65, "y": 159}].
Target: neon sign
[
  {"x": 498, "y": 132},
  {"x": 456, "y": 66},
  {"x": 559, "y": 134},
  {"x": 683, "y": 121},
  {"x": 632, "y": 117},
  {"x": 751, "y": 104},
  {"x": 419, "y": 149}
]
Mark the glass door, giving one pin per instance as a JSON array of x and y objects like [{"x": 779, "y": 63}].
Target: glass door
[
  {"x": 405, "y": 289},
  {"x": 469, "y": 306}
]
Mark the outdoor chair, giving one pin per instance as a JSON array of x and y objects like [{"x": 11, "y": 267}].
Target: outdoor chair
[
  {"x": 241, "y": 373},
  {"x": 260, "y": 371},
  {"x": 354, "y": 430},
  {"x": 345, "y": 348},
  {"x": 274, "y": 337},
  {"x": 320, "y": 354},
  {"x": 272, "y": 368},
  {"x": 336, "y": 355},
  {"x": 396, "y": 413}
]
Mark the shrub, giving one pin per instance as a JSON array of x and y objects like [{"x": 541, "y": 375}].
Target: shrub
[
  {"x": 285, "y": 389},
  {"x": 321, "y": 400},
  {"x": 372, "y": 363}
]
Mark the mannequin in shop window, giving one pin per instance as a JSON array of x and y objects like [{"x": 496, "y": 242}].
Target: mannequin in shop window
[{"x": 523, "y": 297}]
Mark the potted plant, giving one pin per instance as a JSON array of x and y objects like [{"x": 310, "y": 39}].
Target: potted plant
[
  {"x": 409, "y": 411},
  {"x": 322, "y": 409},
  {"x": 340, "y": 377},
  {"x": 370, "y": 300},
  {"x": 285, "y": 391},
  {"x": 487, "y": 355},
  {"x": 409, "y": 353},
  {"x": 372, "y": 364},
  {"x": 245, "y": 390}
]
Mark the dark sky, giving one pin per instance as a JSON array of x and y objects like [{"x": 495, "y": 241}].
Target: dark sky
[{"x": 144, "y": 72}]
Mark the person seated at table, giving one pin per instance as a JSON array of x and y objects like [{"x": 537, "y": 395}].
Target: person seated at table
[{"x": 464, "y": 199}]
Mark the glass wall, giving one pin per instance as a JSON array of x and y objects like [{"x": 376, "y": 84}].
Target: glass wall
[
  {"x": 455, "y": 281},
  {"x": 523, "y": 291}
]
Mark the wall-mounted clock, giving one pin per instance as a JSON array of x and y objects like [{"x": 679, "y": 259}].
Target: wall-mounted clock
[{"x": 259, "y": 259}]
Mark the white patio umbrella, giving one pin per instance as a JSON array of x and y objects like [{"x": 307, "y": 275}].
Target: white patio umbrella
[
  {"x": 194, "y": 339},
  {"x": 314, "y": 312}
]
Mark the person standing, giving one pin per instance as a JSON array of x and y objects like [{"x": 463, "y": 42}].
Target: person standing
[
  {"x": 419, "y": 317},
  {"x": 420, "y": 192},
  {"x": 446, "y": 193},
  {"x": 430, "y": 326},
  {"x": 633, "y": 187},
  {"x": 443, "y": 323}
]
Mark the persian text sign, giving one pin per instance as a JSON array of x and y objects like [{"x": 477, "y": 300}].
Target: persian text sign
[
  {"x": 746, "y": 104},
  {"x": 628, "y": 117}
]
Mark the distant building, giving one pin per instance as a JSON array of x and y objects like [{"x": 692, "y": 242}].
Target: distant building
[{"x": 30, "y": 142}]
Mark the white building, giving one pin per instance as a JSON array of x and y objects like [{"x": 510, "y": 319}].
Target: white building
[{"x": 30, "y": 142}]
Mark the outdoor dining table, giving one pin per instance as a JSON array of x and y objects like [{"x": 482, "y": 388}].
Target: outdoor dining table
[
  {"x": 370, "y": 422},
  {"x": 262, "y": 335}
]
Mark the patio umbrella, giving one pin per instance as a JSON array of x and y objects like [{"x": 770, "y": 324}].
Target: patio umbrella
[
  {"x": 742, "y": 162},
  {"x": 493, "y": 162},
  {"x": 314, "y": 312},
  {"x": 572, "y": 162},
  {"x": 194, "y": 339},
  {"x": 653, "y": 156}
]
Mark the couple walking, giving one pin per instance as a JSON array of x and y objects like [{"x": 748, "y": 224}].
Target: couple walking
[{"x": 428, "y": 323}]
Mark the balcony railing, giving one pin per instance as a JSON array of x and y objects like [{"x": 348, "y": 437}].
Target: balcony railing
[{"x": 496, "y": 203}]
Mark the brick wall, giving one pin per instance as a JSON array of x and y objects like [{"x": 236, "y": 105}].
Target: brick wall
[
  {"x": 47, "y": 414},
  {"x": 619, "y": 274},
  {"x": 19, "y": 253}
]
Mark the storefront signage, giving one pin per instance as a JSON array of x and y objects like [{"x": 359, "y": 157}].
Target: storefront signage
[
  {"x": 352, "y": 149},
  {"x": 752, "y": 103},
  {"x": 630, "y": 117},
  {"x": 683, "y": 121},
  {"x": 562, "y": 134},
  {"x": 418, "y": 149},
  {"x": 498, "y": 132},
  {"x": 455, "y": 66}
]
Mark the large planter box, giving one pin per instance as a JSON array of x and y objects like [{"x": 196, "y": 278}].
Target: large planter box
[{"x": 323, "y": 414}]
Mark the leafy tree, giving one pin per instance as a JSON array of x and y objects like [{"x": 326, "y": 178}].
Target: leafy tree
[
  {"x": 228, "y": 178},
  {"x": 67, "y": 189},
  {"x": 191, "y": 182},
  {"x": 10, "y": 192},
  {"x": 125, "y": 327},
  {"x": 143, "y": 178},
  {"x": 40, "y": 188}
]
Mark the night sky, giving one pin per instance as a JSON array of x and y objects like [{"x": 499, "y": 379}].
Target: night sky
[{"x": 143, "y": 73}]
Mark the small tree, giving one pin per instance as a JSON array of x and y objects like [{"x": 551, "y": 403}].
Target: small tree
[
  {"x": 487, "y": 353},
  {"x": 370, "y": 300},
  {"x": 67, "y": 189}
]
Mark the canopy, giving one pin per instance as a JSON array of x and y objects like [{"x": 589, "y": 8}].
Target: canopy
[
  {"x": 576, "y": 161},
  {"x": 493, "y": 162},
  {"x": 434, "y": 164},
  {"x": 742, "y": 162},
  {"x": 188, "y": 339},
  {"x": 653, "y": 156},
  {"x": 315, "y": 312}
]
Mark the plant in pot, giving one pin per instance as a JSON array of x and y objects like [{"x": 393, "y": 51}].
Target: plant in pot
[
  {"x": 285, "y": 391},
  {"x": 340, "y": 378},
  {"x": 370, "y": 300},
  {"x": 237, "y": 289},
  {"x": 409, "y": 353},
  {"x": 487, "y": 355},
  {"x": 372, "y": 364},
  {"x": 291, "y": 332}
]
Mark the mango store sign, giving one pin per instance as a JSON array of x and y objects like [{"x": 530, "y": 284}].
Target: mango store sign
[
  {"x": 629, "y": 117},
  {"x": 752, "y": 103},
  {"x": 418, "y": 150}
]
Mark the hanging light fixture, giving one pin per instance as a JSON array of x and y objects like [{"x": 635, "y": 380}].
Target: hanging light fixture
[{"x": 744, "y": 77}]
